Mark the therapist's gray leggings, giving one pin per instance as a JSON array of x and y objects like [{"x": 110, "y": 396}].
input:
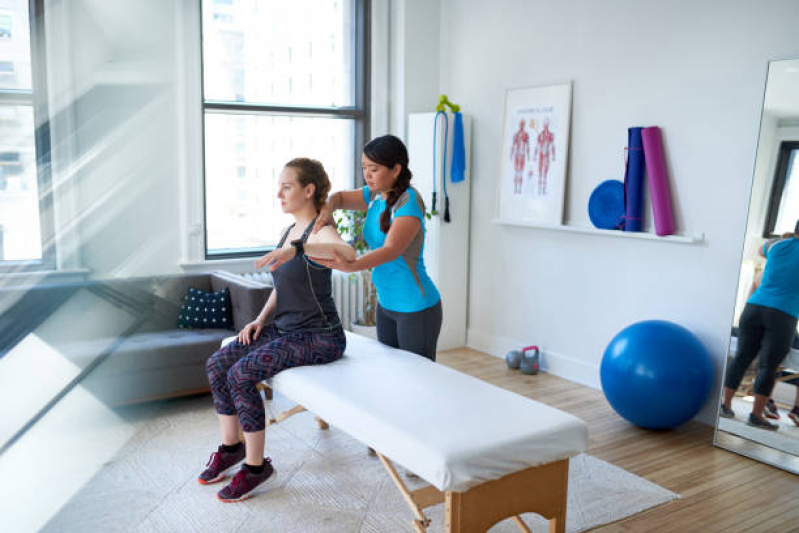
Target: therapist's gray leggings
[{"x": 415, "y": 332}]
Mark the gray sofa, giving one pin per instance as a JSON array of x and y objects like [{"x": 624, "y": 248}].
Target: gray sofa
[{"x": 122, "y": 334}]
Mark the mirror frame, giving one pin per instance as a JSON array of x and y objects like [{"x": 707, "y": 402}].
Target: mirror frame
[{"x": 723, "y": 439}]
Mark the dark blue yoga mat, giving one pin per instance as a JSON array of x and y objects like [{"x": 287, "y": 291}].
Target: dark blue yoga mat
[{"x": 634, "y": 180}]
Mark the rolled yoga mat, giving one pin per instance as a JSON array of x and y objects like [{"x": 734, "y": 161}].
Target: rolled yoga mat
[
  {"x": 658, "y": 181},
  {"x": 606, "y": 205},
  {"x": 634, "y": 181}
]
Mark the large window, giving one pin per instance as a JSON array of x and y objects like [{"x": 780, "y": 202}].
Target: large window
[
  {"x": 783, "y": 211},
  {"x": 24, "y": 172},
  {"x": 281, "y": 79}
]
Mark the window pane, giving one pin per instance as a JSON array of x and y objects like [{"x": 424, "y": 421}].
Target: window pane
[
  {"x": 280, "y": 52},
  {"x": 20, "y": 234},
  {"x": 15, "y": 45},
  {"x": 244, "y": 155},
  {"x": 788, "y": 213}
]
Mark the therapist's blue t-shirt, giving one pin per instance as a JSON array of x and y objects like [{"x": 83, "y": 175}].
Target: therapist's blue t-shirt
[
  {"x": 779, "y": 287},
  {"x": 402, "y": 284}
]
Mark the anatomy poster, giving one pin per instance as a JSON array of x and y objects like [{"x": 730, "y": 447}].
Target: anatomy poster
[{"x": 535, "y": 143}]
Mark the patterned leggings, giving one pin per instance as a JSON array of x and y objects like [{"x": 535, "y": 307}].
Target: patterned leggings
[{"x": 235, "y": 370}]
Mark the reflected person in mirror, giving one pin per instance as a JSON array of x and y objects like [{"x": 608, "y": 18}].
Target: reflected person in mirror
[
  {"x": 767, "y": 325},
  {"x": 772, "y": 411}
]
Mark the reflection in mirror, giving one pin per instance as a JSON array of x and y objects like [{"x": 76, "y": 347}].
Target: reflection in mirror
[{"x": 759, "y": 408}]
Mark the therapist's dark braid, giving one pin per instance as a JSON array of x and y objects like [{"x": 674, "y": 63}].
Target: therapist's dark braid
[{"x": 389, "y": 151}]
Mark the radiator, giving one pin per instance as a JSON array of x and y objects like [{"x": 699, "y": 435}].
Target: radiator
[{"x": 348, "y": 293}]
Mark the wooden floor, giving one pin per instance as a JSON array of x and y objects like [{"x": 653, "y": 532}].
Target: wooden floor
[{"x": 720, "y": 490}]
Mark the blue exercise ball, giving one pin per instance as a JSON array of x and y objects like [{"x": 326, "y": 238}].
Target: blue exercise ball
[{"x": 656, "y": 374}]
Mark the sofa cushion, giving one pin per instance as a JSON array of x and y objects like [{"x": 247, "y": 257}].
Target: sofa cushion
[
  {"x": 152, "y": 365},
  {"x": 203, "y": 310},
  {"x": 249, "y": 297}
]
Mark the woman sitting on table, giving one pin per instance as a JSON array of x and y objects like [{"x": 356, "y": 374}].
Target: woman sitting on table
[{"x": 305, "y": 330}]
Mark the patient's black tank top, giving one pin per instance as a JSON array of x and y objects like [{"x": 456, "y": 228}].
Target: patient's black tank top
[{"x": 304, "y": 294}]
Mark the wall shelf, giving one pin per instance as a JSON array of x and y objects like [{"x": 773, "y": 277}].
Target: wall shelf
[{"x": 677, "y": 239}]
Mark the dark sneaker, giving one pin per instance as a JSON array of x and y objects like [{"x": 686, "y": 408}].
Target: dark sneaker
[
  {"x": 793, "y": 414},
  {"x": 243, "y": 483},
  {"x": 761, "y": 423},
  {"x": 219, "y": 462},
  {"x": 726, "y": 412},
  {"x": 771, "y": 410}
]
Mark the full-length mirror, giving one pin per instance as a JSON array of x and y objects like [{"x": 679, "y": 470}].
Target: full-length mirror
[{"x": 759, "y": 407}]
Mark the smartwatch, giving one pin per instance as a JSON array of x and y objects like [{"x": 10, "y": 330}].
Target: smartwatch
[{"x": 299, "y": 247}]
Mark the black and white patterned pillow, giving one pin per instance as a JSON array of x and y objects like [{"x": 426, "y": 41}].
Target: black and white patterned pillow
[{"x": 206, "y": 310}]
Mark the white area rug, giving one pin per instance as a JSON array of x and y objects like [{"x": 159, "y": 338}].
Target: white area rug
[{"x": 325, "y": 482}]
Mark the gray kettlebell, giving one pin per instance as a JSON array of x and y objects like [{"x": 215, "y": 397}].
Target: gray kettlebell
[
  {"x": 513, "y": 359},
  {"x": 530, "y": 363}
]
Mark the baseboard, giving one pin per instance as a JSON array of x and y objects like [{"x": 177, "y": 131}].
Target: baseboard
[{"x": 551, "y": 362}]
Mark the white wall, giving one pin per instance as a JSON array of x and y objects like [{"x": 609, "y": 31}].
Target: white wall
[
  {"x": 697, "y": 70},
  {"x": 415, "y": 61}
]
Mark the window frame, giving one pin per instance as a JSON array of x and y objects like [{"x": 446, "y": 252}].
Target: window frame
[
  {"x": 778, "y": 187},
  {"x": 359, "y": 113},
  {"x": 36, "y": 98}
]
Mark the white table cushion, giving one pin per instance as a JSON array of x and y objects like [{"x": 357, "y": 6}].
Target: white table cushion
[{"x": 451, "y": 429}]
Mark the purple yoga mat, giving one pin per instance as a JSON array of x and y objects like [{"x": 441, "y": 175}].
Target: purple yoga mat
[{"x": 658, "y": 181}]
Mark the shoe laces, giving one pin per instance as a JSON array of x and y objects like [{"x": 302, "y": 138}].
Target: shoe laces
[
  {"x": 213, "y": 461},
  {"x": 241, "y": 475},
  {"x": 238, "y": 479}
]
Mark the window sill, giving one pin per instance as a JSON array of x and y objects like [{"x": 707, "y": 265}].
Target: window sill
[
  {"x": 239, "y": 265},
  {"x": 38, "y": 277}
]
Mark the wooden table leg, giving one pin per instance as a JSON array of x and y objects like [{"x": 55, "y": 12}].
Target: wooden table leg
[
  {"x": 541, "y": 490},
  {"x": 267, "y": 390},
  {"x": 521, "y": 525}
]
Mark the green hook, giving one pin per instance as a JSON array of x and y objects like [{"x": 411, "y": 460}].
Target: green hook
[{"x": 443, "y": 101}]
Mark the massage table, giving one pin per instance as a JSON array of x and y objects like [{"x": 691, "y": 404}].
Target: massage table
[{"x": 487, "y": 453}]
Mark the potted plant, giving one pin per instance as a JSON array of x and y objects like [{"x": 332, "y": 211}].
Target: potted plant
[{"x": 350, "y": 225}]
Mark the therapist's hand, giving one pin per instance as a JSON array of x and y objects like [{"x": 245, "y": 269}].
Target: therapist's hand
[
  {"x": 338, "y": 263},
  {"x": 324, "y": 218}
]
